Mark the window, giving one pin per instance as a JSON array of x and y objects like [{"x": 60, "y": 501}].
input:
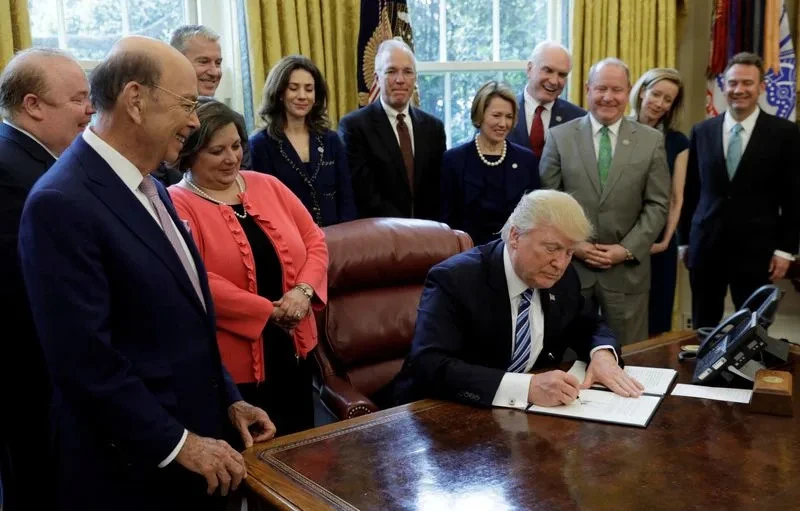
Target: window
[
  {"x": 461, "y": 44},
  {"x": 88, "y": 29}
]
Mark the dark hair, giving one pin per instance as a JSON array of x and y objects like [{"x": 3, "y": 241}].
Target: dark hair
[
  {"x": 213, "y": 116},
  {"x": 489, "y": 90},
  {"x": 109, "y": 78},
  {"x": 273, "y": 112},
  {"x": 20, "y": 78},
  {"x": 747, "y": 59}
]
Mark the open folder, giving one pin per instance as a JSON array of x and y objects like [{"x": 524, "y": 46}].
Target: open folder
[{"x": 602, "y": 405}]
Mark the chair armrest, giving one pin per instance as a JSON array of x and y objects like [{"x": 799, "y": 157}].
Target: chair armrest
[{"x": 343, "y": 400}]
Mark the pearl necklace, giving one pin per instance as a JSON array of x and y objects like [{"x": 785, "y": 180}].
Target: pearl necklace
[
  {"x": 199, "y": 191},
  {"x": 483, "y": 158}
]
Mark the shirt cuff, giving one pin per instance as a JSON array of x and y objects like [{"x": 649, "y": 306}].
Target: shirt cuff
[
  {"x": 785, "y": 255},
  {"x": 175, "y": 451},
  {"x": 513, "y": 391},
  {"x": 604, "y": 347}
]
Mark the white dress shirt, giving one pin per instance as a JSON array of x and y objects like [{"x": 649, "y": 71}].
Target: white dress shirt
[
  {"x": 530, "y": 111},
  {"x": 613, "y": 132},
  {"x": 513, "y": 389},
  {"x": 391, "y": 113},
  {"x": 131, "y": 177},
  {"x": 9, "y": 123}
]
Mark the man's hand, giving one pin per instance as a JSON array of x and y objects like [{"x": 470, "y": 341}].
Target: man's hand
[
  {"x": 614, "y": 253},
  {"x": 778, "y": 267},
  {"x": 215, "y": 460},
  {"x": 604, "y": 369},
  {"x": 553, "y": 388},
  {"x": 589, "y": 254},
  {"x": 246, "y": 417}
]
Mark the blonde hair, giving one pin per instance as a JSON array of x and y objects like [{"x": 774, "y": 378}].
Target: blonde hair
[
  {"x": 549, "y": 208},
  {"x": 489, "y": 90},
  {"x": 646, "y": 81}
]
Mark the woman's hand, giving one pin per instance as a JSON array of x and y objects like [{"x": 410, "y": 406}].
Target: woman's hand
[
  {"x": 659, "y": 247},
  {"x": 291, "y": 308}
]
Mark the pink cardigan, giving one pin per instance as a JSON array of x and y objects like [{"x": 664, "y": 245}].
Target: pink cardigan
[{"x": 241, "y": 312}]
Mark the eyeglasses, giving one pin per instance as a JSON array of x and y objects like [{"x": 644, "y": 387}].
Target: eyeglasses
[{"x": 188, "y": 105}]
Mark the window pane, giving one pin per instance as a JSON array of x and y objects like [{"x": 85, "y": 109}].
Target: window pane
[
  {"x": 44, "y": 23},
  {"x": 469, "y": 30},
  {"x": 155, "y": 18},
  {"x": 425, "y": 26},
  {"x": 523, "y": 24},
  {"x": 92, "y": 26},
  {"x": 431, "y": 94}
]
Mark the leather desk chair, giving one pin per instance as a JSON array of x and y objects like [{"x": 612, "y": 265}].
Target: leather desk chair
[{"x": 376, "y": 273}]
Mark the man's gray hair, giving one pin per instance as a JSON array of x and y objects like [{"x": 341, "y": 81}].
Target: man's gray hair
[
  {"x": 183, "y": 34},
  {"x": 386, "y": 48},
  {"x": 540, "y": 48},
  {"x": 541, "y": 208},
  {"x": 609, "y": 61},
  {"x": 23, "y": 75}
]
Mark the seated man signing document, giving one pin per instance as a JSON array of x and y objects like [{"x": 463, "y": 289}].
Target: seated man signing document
[{"x": 490, "y": 315}]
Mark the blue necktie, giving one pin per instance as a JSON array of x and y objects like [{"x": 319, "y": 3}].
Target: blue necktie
[
  {"x": 734, "y": 150},
  {"x": 522, "y": 337}
]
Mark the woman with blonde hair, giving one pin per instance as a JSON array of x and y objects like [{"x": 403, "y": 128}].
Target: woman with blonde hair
[{"x": 656, "y": 100}]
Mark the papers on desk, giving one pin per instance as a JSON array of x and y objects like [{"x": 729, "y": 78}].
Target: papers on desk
[
  {"x": 656, "y": 380},
  {"x": 715, "y": 393},
  {"x": 605, "y": 406}
]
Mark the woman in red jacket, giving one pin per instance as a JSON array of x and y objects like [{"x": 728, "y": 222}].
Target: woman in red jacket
[{"x": 267, "y": 267}]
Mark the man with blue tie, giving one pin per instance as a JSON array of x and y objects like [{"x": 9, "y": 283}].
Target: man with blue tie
[
  {"x": 489, "y": 316},
  {"x": 740, "y": 218},
  {"x": 540, "y": 107}
]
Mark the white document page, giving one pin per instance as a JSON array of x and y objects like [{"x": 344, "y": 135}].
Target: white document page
[
  {"x": 604, "y": 406},
  {"x": 656, "y": 380},
  {"x": 715, "y": 393}
]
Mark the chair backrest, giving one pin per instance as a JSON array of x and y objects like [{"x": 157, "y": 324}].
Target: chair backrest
[{"x": 376, "y": 273}]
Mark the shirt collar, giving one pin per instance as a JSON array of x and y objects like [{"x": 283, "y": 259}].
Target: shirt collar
[
  {"x": 392, "y": 113},
  {"x": 121, "y": 166},
  {"x": 515, "y": 284},
  {"x": 613, "y": 128},
  {"x": 51, "y": 153},
  {"x": 530, "y": 100},
  {"x": 748, "y": 124}
]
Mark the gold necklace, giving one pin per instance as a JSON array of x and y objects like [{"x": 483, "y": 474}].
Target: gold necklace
[{"x": 199, "y": 191}]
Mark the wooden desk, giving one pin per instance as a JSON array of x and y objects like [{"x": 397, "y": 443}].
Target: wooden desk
[{"x": 695, "y": 454}]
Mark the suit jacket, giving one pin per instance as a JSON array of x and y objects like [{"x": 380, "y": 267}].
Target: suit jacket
[
  {"x": 630, "y": 210},
  {"x": 479, "y": 199},
  {"x": 131, "y": 349},
  {"x": 745, "y": 219},
  {"x": 327, "y": 192},
  {"x": 22, "y": 162},
  {"x": 380, "y": 181},
  {"x": 462, "y": 341},
  {"x": 562, "y": 111}
]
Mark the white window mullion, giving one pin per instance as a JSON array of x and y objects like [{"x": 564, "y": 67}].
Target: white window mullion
[
  {"x": 190, "y": 11},
  {"x": 61, "y": 21},
  {"x": 448, "y": 107},
  {"x": 495, "y": 30},
  {"x": 126, "y": 18},
  {"x": 442, "y": 31}
]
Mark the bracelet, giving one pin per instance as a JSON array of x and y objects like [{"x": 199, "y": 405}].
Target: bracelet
[{"x": 307, "y": 290}]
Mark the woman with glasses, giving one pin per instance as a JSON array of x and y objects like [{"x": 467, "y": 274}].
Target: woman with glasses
[
  {"x": 267, "y": 267},
  {"x": 296, "y": 144}
]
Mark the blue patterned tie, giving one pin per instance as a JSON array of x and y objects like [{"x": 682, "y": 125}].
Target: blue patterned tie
[
  {"x": 522, "y": 337},
  {"x": 734, "y": 150}
]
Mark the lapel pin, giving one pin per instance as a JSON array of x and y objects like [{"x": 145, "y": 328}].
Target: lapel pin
[
  {"x": 513, "y": 165},
  {"x": 558, "y": 118},
  {"x": 321, "y": 149},
  {"x": 626, "y": 142},
  {"x": 552, "y": 297}
]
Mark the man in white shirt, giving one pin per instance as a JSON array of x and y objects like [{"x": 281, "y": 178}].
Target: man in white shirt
[
  {"x": 740, "y": 217},
  {"x": 121, "y": 304},
  {"x": 490, "y": 315},
  {"x": 394, "y": 149},
  {"x": 540, "y": 107},
  {"x": 617, "y": 170}
]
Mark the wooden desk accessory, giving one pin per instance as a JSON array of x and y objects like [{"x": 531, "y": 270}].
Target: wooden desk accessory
[{"x": 772, "y": 393}]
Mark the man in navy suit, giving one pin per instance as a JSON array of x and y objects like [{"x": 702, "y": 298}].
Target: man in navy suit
[
  {"x": 740, "y": 218},
  {"x": 489, "y": 315},
  {"x": 120, "y": 299},
  {"x": 540, "y": 108},
  {"x": 44, "y": 101},
  {"x": 394, "y": 150}
]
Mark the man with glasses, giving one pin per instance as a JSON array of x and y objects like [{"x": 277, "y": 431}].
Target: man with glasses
[
  {"x": 394, "y": 150},
  {"x": 121, "y": 303},
  {"x": 44, "y": 104}
]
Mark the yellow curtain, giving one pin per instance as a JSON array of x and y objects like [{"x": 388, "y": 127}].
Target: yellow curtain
[
  {"x": 15, "y": 29},
  {"x": 643, "y": 33},
  {"x": 322, "y": 30}
]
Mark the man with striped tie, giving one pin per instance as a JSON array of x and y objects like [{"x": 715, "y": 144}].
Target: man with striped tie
[{"x": 490, "y": 315}]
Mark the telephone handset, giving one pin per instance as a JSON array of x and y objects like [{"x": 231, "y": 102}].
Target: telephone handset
[
  {"x": 731, "y": 344},
  {"x": 716, "y": 335}
]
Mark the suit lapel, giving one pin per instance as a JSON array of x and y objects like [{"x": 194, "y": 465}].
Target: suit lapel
[
  {"x": 718, "y": 153},
  {"x": 111, "y": 191},
  {"x": 388, "y": 139},
  {"x": 586, "y": 149},
  {"x": 758, "y": 140},
  {"x": 30, "y": 146},
  {"x": 550, "y": 311},
  {"x": 556, "y": 114},
  {"x": 626, "y": 142},
  {"x": 420, "y": 131},
  {"x": 516, "y": 178},
  {"x": 499, "y": 303},
  {"x": 521, "y": 129}
]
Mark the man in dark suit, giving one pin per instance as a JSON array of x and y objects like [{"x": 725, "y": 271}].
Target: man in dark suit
[
  {"x": 394, "y": 150},
  {"x": 740, "y": 215},
  {"x": 121, "y": 304},
  {"x": 540, "y": 108},
  {"x": 44, "y": 101},
  {"x": 491, "y": 314}
]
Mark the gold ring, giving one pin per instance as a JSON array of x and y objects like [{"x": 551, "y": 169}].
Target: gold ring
[{"x": 297, "y": 314}]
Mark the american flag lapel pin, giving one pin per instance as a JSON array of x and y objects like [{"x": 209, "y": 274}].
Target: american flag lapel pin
[
  {"x": 558, "y": 118},
  {"x": 552, "y": 297}
]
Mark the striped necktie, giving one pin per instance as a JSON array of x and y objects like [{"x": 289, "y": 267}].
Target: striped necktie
[{"x": 522, "y": 335}]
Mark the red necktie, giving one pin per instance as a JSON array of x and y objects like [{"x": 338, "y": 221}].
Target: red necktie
[
  {"x": 406, "y": 149},
  {"x": 537, "y": 132}
]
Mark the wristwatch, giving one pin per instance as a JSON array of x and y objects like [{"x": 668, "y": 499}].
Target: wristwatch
[{"x": 306, "y": 290}]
